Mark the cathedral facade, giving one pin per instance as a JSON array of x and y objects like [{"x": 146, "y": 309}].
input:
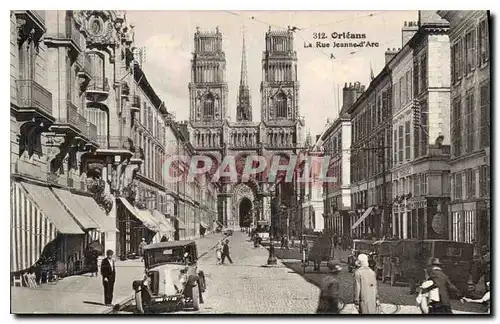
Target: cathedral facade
[{"x": 279, "y": 132}]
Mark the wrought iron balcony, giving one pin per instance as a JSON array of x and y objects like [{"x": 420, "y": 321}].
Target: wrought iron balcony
[
  {"x": 69, "y": 116},
  {"x": 98, "y": 89},
  {"x": 33, "y": 97},
  {"x": 136, "y": 103},
  {"x": 70, "y": 36},
  {"x": 92, "y": 132}
]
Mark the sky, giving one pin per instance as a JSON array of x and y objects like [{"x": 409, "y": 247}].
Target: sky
[{"x": 167, "y": 37}]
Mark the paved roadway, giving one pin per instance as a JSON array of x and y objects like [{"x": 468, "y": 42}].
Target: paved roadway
[{"x": 246, "y": 287}]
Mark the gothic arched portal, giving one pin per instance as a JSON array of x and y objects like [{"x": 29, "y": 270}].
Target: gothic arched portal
[{"x": 245, "y": 212}]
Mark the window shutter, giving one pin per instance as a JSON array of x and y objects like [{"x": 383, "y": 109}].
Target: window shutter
[{"x": 463, "y": 42}]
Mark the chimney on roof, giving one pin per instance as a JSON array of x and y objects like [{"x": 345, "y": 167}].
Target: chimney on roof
[
  {"x": 409, "y": 29},
  {"x": 389, "y": 54},
  {"x": 351, "y": 93}
]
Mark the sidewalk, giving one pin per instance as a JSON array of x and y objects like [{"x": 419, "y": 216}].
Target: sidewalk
[{"x": 83, "y": 294}]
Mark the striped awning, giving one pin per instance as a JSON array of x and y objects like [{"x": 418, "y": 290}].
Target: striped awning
[
  {"x": 143, "y": 215},
  {"x": 75, "y": 209},
  {"x": 106, "y": 223},
  {"x": 163, "y": 221},
  {"x": 30, "y": 230},
  {"x": 52, "y": 208}
]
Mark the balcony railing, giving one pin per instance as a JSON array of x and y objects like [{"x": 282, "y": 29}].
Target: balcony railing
[
  {"x": 39, "y": 15},
  {"x": 85, "y": 64},
  {"x": 70, "y": 116},
  {"x": 98, "y": 84},
  {"x": 113, "y": 142},
  {"x": 82, "y": 123},
  {"x": 32, "y": 95},
  {"x": 92, "y": 132}
]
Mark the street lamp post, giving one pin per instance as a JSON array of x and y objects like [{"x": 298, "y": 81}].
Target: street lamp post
[{"x": 271, "y": 260}]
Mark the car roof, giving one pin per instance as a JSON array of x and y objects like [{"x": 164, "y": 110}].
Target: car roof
[{"x": 169, "y": 244}]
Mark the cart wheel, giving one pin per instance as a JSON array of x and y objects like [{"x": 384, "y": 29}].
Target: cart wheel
[{"x": 393, "y": 279}]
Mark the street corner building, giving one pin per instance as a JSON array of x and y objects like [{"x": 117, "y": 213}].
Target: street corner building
[{"x": 87, "y": 141}]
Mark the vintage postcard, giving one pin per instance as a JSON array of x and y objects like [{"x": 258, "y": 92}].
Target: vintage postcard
[{"x": 250, "y": 162}]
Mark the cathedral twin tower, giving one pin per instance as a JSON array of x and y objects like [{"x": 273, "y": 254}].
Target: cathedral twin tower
[{"x": 279, "y": 93}]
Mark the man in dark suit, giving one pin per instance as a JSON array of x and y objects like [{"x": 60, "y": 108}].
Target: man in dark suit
[
  {"x": 444, "y": 286},
  {"x": 108, "y": 273},
  {"x": 225, "y": 252}
]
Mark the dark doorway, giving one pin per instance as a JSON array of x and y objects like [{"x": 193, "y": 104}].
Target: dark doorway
[{"x": 245, "y": 212}]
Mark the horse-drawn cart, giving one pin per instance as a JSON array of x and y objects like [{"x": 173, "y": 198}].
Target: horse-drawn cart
[{"x": 316, "y": 249}]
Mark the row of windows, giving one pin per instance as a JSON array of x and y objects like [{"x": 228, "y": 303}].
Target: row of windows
[
  {"x": 464, "y": 226},
  {"x": 372, "y": 196},
  {"x": 334, "y": 144},
  {"x": 470, "y": 127},
  {"x": 464, "y": 183},
  {"x": 416, "y": 184},
  {"x": 469, "y": 52},
  {"x": 374, "y": 115},
  {"x": 369, "y": 160},
  {"x": 402, "y": 90}
]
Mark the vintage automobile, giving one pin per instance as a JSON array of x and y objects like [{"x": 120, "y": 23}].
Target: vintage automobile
[
  {"x": 172, "y": 279},
  {"x": 358, "y": 247},
  {"x": 411, "y": 257},
  {"x": 316, "y": 249}
]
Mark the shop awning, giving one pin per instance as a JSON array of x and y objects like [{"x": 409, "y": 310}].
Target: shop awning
[
  {"x": 141, "y": 215},
  {"x": 106, "y": 223},
  {"x": 75, "y": 209},
  {"x": 362, "y": 218},
  {"x": 204, "y": 225},
  {"x": 162, "y": 221},
  {"x": 52, "y": 208},
  {"x": 30, "y": 229}
]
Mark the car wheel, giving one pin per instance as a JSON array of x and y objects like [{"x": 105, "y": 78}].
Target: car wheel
[
  {"x": 196, "y": 298},
  {"x": 138, "y": 302}
]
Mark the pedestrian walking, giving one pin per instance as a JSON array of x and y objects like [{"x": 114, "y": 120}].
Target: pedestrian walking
[
  {"x": 365, "y": 287},
  {"x": 225, "y": 252},
  {"x": 445, "y": 287},
  {"x": 329, "y": 294},
  {"x": 108, "y": 273},
  {"x": 218, "y": 253}
]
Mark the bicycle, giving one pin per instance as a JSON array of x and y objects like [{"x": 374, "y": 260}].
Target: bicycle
[{"x": 382, "y": 308}]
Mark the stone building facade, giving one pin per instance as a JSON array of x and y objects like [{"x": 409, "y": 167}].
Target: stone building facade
[
  {"x": 279, "y": 133},
  {"x": 469, "y": 210},
  {"x": 421, "y": 137},
  {"x": 338, "y": 209},
  {"x": 370, "y": 157}
]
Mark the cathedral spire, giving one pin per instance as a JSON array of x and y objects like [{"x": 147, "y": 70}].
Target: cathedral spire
[
  {"x": 244, "y": 72},
  {"x": 244, "y": 105}
]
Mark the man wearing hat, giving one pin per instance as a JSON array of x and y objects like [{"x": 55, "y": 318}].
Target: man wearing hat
[
  {"x": 444, "y": 286},
  {"x": 365, "y": 287},
  {"x": 328, "y": 298},
  {"x": 108, "y": 273}
]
